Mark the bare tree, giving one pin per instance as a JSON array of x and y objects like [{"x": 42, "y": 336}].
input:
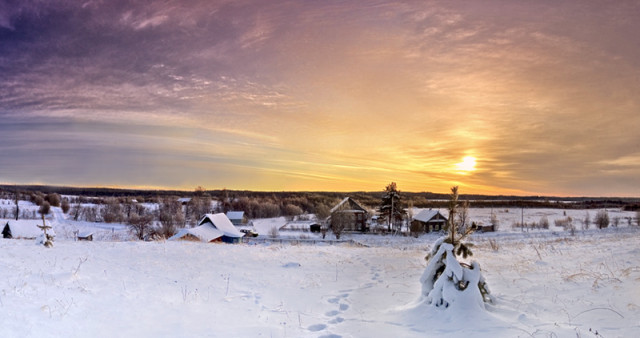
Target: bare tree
[
  {"x": 17, "y": 207},
  {"x": 112, "y": 211},
  {"x": 463, "y": 215},
  {"x": 587, "y": 221},
  {"x": 170, "y": 216},
  {"x": 44, "y": 209},
  {"x": 339, "y": 221},
  {"x": 140, "y": 224},
  {"x": 322, "y": 211},
  {"x": 199, "y": 205}
]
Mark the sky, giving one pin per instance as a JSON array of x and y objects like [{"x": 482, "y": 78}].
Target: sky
[{"x": 497, "y": 97}]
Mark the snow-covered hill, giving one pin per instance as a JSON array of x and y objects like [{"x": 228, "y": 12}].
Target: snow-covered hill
[{"x": 551, "y": 285}]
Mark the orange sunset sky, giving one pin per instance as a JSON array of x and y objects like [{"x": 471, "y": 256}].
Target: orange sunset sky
[{"x": 499, "y": 97}]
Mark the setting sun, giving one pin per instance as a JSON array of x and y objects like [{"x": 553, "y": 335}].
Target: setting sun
[{"x": 468, "y": 164}]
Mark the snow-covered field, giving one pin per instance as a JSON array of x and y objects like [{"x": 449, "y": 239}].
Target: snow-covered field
[{"x": 546, "y": 284}]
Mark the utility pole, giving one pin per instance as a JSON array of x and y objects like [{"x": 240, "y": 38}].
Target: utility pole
[{"x": 391, "y": 213}]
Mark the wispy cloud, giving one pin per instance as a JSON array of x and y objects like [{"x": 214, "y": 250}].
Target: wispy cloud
[{"x": 309, "y": 95}]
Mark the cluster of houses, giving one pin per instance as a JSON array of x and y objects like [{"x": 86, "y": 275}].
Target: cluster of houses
[{"x": 233, "y": 226}]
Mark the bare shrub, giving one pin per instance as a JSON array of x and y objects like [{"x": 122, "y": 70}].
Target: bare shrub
[
  {"x": 112, "y": 211},
  {"x": 274, "y": 232},
  {"x": 64, "y": 205},
  {"x": 602, "y": 219},
  {"x": 544, "y": 222},
  {"x": 493, "y": 243},
  {"x": 53, "y": 199}
]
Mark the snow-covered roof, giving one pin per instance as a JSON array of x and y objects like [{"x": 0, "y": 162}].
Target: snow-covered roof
[
  {"x": 235, "y": 214},
  {"x": 184, "y": 199},
  {"x": 221, "y": 222},
  {"x": 426, "y": 215},
  {"x": 345, "y": 200},
  {"x": 206, "y": 233},
  {"x": 25, "y": 228},
  {"x": 264, "y": 225}
]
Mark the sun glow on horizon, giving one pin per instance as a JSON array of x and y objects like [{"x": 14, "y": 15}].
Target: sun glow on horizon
[{"x": 468, "y": 164}]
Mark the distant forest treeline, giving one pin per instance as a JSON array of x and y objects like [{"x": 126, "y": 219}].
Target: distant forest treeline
[{"x": 308, "y": 200}]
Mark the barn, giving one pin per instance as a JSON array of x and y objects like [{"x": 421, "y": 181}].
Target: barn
[
  {"x": 212, "y": 228},
  {"x": 428, "y": 220},
  {"x": 23, "y": 229}
]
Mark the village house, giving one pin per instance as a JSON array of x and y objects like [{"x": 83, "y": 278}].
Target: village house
[
  {"x": 351, "y": 213},
  {"x": 428, "y": 220},
  {"x": 212, "y": 228},
  {"x": 236, "y": 217}
]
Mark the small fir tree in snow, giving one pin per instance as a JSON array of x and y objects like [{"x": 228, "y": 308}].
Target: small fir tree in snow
[
  {"x": 448, "y": 282},
  {"x": 45, "y": 239}
]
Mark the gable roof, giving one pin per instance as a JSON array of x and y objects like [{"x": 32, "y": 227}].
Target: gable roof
[
  {"x": 235, "y": 214},
  {"x": 26, "y": 228},
  {"x": 427, "y": 214},
  {"x": 352, "y": 203},
  {"x": 222, "y": 223}
]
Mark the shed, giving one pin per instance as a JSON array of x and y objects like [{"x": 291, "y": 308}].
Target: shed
[
  {"x": 24, "y": 229},
  {"x": 428, "y": 220},
  {"x": 212, "y": 228},
  {"x": 85, "y": 236}
]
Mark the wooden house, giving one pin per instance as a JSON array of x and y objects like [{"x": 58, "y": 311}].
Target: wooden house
[
  {"x": 236, "y": 217},
  {"x": 351, "y": 214},
  {"x": 212, "y": 228},
  {"x": 428, "y": 220}
]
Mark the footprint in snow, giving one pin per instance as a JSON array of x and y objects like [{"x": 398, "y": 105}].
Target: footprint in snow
[
  {"x": 336, "y": 320},
  {"x": 333, "y": 300},
  {"x": 332, "y": 313},
  {"x": 317, "y": 327},
  {"x": 344, "y": 307},
  {"x": 331, "y": 336}
]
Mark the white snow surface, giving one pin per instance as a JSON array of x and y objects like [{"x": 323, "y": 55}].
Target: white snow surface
[
  {"x": 547, "y": 285},
  {"x": 263, "y": 226},
  {"x": 25, "y": 228}
]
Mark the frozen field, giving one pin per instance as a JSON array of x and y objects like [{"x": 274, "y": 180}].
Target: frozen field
[{"x": 546, "y": 284}]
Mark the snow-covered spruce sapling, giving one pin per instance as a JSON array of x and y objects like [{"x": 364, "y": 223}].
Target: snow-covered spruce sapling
[
  {"x": 45, "y": 238},
  {"x": 447, "y": 282}
]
